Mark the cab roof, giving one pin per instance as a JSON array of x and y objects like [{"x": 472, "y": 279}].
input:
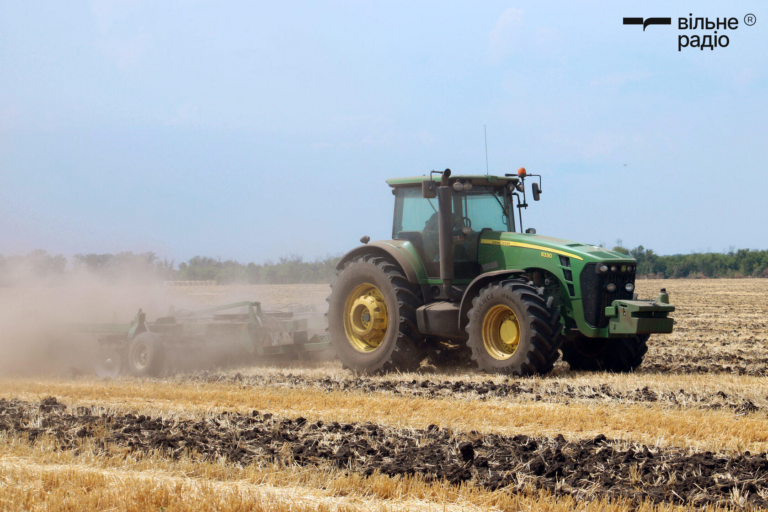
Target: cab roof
[{"x": 476, "y": 179}]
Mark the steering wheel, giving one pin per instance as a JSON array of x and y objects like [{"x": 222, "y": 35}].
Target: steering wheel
[{"x": 467, "y": 222}]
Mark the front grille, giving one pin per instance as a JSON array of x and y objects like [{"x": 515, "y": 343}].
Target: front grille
[{"x": 595, "y": 298}]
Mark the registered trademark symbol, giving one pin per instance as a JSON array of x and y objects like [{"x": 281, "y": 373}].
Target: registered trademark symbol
[{"x": 750, "y": 19}]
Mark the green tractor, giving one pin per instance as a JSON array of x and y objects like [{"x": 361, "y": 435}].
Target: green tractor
[{"x": 461, "y": 282}]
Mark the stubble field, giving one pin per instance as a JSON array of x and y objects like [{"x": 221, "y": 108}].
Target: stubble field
[{"x": 689, "y": 429}]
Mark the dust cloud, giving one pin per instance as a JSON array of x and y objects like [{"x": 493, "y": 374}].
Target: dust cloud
[{"x": 38, "y": 313}]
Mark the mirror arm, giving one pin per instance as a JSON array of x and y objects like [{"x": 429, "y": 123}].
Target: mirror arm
[{"x": 519, "y": 210}]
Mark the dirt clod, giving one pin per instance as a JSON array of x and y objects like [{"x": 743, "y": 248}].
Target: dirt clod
[{"x": 467, "y": 451}]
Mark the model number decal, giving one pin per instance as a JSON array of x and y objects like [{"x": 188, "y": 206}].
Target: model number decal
[
  {"x": 546, "y": 254},
  {"x": 509, "y": 243}
]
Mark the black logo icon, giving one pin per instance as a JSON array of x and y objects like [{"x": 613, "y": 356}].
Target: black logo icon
[
  {"x": 750, "y": 19},
  {"x": 649, "y": 21}
]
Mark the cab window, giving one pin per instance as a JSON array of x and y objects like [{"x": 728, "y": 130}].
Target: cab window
[
  {"x": 413, "y": 212},
  {"x": 477, "y": 209},
  {"x": 484, "y": 209}
]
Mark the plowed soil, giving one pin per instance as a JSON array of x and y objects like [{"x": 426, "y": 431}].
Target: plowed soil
[
  {"x": 689, "y": 429},
  {"x": 528, "y": 390},
  {"x": 596, "y": 467}
]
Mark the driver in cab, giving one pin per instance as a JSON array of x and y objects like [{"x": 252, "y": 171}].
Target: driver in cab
[{"x": 432, "y": 239}]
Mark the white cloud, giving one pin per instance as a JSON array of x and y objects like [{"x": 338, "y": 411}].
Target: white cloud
[
  {"x": 501, "y": 37},
  {"x": 619, "y": 79},
  {"x": 121, "y": 40},
  {"x": 511, "y": 34},
  {"x": 399, "y": 138},
  {"x": 610, "y": 145},
  {"x": 603, "y": 144},
  {"x": 186, "y": 115},
  {"x": 10, "y": 118},
  {"x": 547, "y": 39},
  {"x": 745, "y": 77},
  {"x": 104, "y": 14}
]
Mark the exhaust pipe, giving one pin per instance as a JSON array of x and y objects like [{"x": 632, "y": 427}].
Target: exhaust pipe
[{"x": 445, "y": 235}]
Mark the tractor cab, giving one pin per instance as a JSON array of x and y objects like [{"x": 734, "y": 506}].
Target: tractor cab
[{"x": 479, "y": 203}]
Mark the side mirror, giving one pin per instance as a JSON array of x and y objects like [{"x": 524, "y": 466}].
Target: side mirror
[
  {"x": 536, "y": 191},
  {"x": 428, "y": 189}
]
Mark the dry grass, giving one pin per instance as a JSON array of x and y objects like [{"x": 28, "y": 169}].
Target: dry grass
[
  {"x": 718, "y": 322},
  {"x": 721, "y": 331},
  {"x": 688, "y": 390},
  {"x": 41, "y": 477},
  {"x": 712, "y": 430}
]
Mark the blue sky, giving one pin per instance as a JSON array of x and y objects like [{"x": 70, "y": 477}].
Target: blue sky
[{"x": 252, "y": 130}]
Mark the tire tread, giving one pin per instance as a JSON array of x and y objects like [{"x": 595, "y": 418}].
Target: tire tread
[
  {"x": 407, "y": 353},
  {"x": 543, "y": 321}
]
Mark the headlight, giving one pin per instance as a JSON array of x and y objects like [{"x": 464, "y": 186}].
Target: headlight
[
  {"x": 603, "y": 268},
  {"x": 611, "y": 287},
  {"x": 629, "y": 287},
  {"x": 614, "y": 268},
  {"x": 457, "y": 186},
  {"x": 467, "y": 186},
  {"x": 466, "y": 230}
]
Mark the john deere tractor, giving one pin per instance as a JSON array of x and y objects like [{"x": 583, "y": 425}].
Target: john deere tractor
[{"x": 461, "y": 282}]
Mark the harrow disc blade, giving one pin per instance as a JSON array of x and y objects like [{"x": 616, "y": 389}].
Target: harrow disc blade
[{"x": 109, "y": 363}]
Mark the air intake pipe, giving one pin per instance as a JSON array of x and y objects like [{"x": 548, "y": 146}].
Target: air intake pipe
[{"x": 445, "y": 234}]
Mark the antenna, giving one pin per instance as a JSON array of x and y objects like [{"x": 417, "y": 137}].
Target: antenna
[{"x": 485, "y": 132}]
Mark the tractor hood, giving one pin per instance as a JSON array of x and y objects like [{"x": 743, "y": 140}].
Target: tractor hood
[{"x": 569, "y": 248}]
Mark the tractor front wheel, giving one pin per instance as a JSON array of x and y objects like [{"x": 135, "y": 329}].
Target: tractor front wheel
[
  {"x": 372, "y": 317},
  {"x": 605, "y": 354},
  {"x": 513, "y": 329}
]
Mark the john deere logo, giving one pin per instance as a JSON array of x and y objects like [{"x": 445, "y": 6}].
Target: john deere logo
[{"x": 648, "y": 21}]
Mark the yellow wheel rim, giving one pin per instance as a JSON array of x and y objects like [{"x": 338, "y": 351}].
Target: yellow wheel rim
[
  {"x": 501, "y": 332},
  {"x": 365, "y": 318}
]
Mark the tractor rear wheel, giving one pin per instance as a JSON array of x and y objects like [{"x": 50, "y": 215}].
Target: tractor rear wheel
[
  {"x": 372, "y": 317},
  {"x": 605, "y": 354},
  {"x": 513, "y": 329},
  {"x": 146, "y": 356}
]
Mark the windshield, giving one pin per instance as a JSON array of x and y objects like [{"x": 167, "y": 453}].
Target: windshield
[
  {"x": 483, "y": 209},
  {"x": 480, "y": 208}
]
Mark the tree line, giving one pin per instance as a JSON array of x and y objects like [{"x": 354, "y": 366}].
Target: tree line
[
  {"x": 734, "y": 263},
  {"x": 128, "y": 267},
  {"x": 41, "y": 266}
]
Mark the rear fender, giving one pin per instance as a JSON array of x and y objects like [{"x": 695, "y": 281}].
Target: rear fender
[
  {"x": 478, "y": 284},
  {"x": 397, "y": 250}
]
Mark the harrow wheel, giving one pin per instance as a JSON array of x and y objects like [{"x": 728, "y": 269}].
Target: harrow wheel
[
  {"x": 605, "y": 354},
  {"x": 513, "y": 329},
  {"x": 109, "y": 363},
  {"x": 372, "y": 317},
  {"x": 146, "y": 356}
]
